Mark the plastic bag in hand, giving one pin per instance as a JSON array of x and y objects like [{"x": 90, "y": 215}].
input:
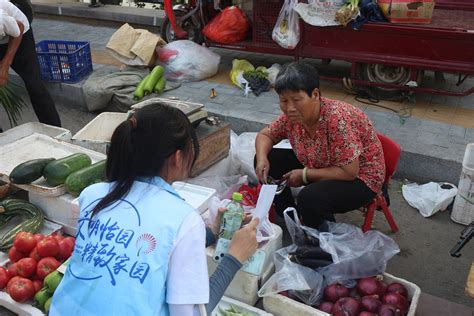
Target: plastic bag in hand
[
  {"x": 229, "y": 26},
  {"x": 187, "y": 61},
  {"x": 287, "y": 29}
]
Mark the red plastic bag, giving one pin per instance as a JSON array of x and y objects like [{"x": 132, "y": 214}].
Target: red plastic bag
[
  {"x": 250, "y": 198},
  {"x": 229, "y": 26}
]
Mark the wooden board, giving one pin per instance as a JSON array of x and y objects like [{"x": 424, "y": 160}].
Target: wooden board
[
  {"x": 470, "y": 282},
  {"x": 214, "y": 145}
]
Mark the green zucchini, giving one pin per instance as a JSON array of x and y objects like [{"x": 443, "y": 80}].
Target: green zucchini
[
  {"x": 139, "y": 92},
  {"x": 155, "y": 75},
  {"x": 29, "y": 171},
  {"x": 57, "y": 171},
  {"x": 32, "y": 223},
  {"x": 79, "y": 180},
  {"x": 160, "y": 85}
]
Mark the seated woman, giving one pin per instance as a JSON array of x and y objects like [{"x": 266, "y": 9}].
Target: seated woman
[
  {"x": 336, "y": 154},
  {"x": 140, "y": 247}
]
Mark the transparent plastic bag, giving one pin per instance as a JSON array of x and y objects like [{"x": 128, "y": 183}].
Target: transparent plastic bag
[
  {"x": 286, "y": 32},
  {"x": 354, "y": 254},
  {"x": 429, "y": 198},
  {"x": 243, "y": 153},
  {"x": 187, "y": 61}
]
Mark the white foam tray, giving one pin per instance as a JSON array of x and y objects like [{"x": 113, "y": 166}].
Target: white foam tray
[
  {"x": 197, "y": 196},
  {"x": 281, "y": 305},
  {"x": 36, "y": 146},
  {"x": 226, "y": 302},
  {"x": 21, "y": 309},
  {"x": 29, "y": 128}
]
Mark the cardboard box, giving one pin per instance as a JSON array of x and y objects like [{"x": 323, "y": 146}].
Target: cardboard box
[{"x": 407, "y": 11}]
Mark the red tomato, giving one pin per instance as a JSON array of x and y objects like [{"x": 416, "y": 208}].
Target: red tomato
[
  {"x": 26, "y": 267},
  {"x": 4, "y": 278},
  {"x": 34, "y": 254},
  {"x": 58, "y": 237},
  {"x": 21, "y": 290},
  {"x": 14, "y": 255},
  {"x": 24, "y": 242},
  {"x": 48, "y": 247},
  {"x": 38, "y": 237},
  {"x": 12, "y": 270},
  {"x": 46, "y": 266},
  {"x": 38, "y": 285},
  {"x": 71, "y": 241},
  {"x": 65, "y": 250},
  {"x": 12, "y": 280}
]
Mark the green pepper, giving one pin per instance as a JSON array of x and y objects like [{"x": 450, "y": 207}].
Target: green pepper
[
  {"x": 47, "y": 305},
  {"x": 41, "y": 297},
  {"x": 52, "y": 280}
]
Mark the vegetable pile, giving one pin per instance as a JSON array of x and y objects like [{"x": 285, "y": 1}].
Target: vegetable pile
[
  {"x": 370, "y": 297},
  {"x": 75, "y": 171},
  {"x": 155, "y": 82},
  {"x": 31, "y": 271},
  {"x": 257, "y": 80},
  {"x": 234, "y": 311},
  {"x": 348, "y": 12}
]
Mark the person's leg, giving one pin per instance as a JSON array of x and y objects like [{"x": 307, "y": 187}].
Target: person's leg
[
  {"x": 281, "y": 162},
  {"x": 26, "y": 66},
  {"x": 318, "y": 201}
]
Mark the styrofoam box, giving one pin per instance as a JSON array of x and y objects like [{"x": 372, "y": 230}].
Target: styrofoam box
[
  {"x": 27, "y": 129},
  {"x": 244, "y": 286},
  {"x": 281, "y": 305},
  {"x": 197, "y": 196},
  {"x": 97, "y": 133},
  {"x": 21, "y": 309},
  {"x": 227, "y": 302},
  {"x": 63, "y": 209}
]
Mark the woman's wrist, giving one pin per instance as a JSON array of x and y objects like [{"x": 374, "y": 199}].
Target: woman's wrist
[{"x": 304, "y": 175}]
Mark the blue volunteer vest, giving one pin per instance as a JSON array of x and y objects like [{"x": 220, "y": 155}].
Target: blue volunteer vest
[{"x": 120, "y": 261}]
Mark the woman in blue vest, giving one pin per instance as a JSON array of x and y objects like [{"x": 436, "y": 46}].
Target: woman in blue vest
[{"x": 140, "y": 248}]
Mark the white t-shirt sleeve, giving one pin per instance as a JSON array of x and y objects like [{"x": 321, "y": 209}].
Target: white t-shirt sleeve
[
  {"x": 188, "y": 279},
  {"x": 10, "y": 10}
]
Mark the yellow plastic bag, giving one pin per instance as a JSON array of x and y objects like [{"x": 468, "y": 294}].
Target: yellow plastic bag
[{"x": 239, "y": 66}]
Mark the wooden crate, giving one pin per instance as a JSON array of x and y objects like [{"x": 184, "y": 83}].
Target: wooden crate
[{"x": 214, "y": 145}]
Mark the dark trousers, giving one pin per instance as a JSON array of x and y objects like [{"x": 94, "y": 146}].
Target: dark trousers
[
  {"x": 25, "y": 64},
  {"x": 317, "y": 201}
]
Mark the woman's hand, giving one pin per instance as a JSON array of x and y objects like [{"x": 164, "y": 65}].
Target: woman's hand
[
  {"x": 261, "y": 169},
  {"x": 295, "y": 178},
  {"x": 244, "y": 242},
  {"x": 216, "y": 224}
]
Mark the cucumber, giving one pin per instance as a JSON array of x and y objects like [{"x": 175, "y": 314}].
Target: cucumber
[
  {"x": 29, "y": 171},
  {"x": 79, "y": 180},
  {"x": 58, "y": 170},
  {"x": 160, "y": 85},
  {"x": 155, "y": 75}
]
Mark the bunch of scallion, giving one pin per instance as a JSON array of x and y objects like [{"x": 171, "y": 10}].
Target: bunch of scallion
[
  {"x": 347, "y": 12},
  {"x": 11, "y": 102}
]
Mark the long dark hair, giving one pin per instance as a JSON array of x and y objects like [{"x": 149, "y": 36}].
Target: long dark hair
[{"x": 141, "y": 146}]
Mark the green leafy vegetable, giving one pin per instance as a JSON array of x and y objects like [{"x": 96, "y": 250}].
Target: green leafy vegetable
[
  {"x": 11, "y": 102},
  {"x": 234, "y": 311}
]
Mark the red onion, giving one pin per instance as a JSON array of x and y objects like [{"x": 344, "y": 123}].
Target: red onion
[
  {"x": 382, "y": 288},
  {"x": 334, "y": 292},
  {"x": 396, "y": 287},
  {"x": 354, "y": 294},
  {"x": 346, "y": 306},
  {"x": 365, "y": 313},
  {"x": 397, "y": 300},
  {"x": 326, "y": 307},
  {"x": 367, "y": 286},
  {"x": 371, "y": 303},
  {"x": 389, "y": 310}
]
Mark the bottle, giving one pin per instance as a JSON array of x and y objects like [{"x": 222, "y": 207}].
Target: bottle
[{"x": 232, "y": 217}]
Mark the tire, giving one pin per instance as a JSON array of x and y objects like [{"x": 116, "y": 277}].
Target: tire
[
  {"x": 190, "y": 26},
  {"x": 387, "y": 74}
]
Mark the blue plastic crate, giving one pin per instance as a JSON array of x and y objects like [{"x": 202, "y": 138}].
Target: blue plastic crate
[{"x": 64, "y": 61}]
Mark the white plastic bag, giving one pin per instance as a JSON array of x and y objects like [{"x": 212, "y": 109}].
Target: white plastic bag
[
  {"x": 287, "y": 28},
  {"x": 224, "y": 186},
  {"x": 243, "y": 153},
  {"x": 429, "y": 198},
  {"x": 319, "y": 12},
  {"x": 187, "y": 61},
  {"x": 273, "y": 72}
]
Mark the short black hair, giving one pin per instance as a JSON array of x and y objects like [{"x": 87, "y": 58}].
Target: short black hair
[{"x": 296, "y": 76}]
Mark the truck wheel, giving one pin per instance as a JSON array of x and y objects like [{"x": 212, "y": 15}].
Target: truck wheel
[
  {"x": 194, "y": 33},
  {"x": 387, "y": 74}
]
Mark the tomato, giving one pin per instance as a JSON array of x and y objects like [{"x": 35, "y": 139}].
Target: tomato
[
  {"x": 38, "y": 285},
  {"x": 46, "y": 266},
  {"x": 21, "y": 290},
  {"x": 65, "y": 250},
  {"x": 48, "y": 247},
  {"x": 58, "y": 237},
  {"x": 4, "y": 278},
  {"x": 24, "y": 242},
  {"x": 71, "y": 241},
  {"x": 38, "y": 237},
  {"x": 12, "y": 280},
  {"x": 14, "y": 255},
  {"x": 12, "y": 270},
  {"x": 34, "y": 254},
  {"x": 26, "y": 267}
]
